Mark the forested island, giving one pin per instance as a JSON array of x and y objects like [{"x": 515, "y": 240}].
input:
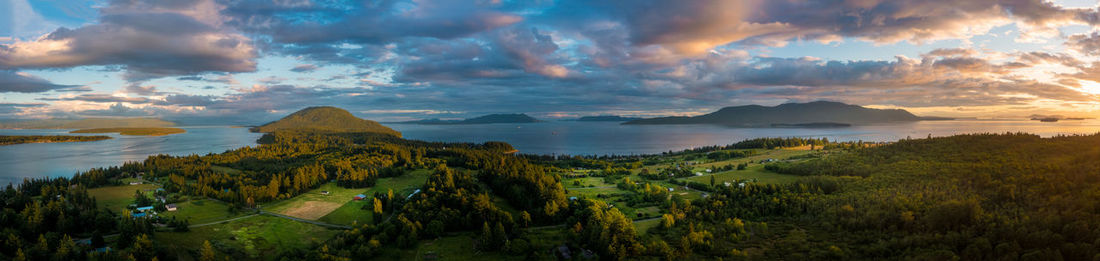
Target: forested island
[
  {"x": 305, "y": 194},
  {"x": 792, "y": 115},
  {"x": 486, "y": 119},
  {"x": 11, "y": 140},
  {"x": 606, "y": 118},
  {"x": 134, "y": 131}
]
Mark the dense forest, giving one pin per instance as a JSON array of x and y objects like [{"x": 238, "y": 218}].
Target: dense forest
[
  {"x": 968, "y": 197},
  {"x": 9, "y": 140}
]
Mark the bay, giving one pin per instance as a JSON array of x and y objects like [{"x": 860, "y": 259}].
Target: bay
[
  {"x": 608, "y": 138},
  {"x": 36, "y": 160}
]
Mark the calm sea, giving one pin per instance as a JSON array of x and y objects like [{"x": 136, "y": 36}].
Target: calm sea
[{"x": 554, "y": 137}]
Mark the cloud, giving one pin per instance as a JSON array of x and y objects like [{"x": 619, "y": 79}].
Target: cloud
[
  {"x": 11, "y": 81},
  {"x": 11, "y": 108},
  {"x": 304, "y": 68},
  {"x": 102, "y": 98},
  {"x": 141, "y": 90},
  {"x": 148, "y": 39},
  {"x": 119, "y": 110},
  {"x": 382, "y": 21},
  {"x": 1088, "y": 44}
]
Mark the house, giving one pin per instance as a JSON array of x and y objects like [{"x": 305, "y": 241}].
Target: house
[
  {"x": 325, "y": 192},
  {"x": 563, "y": 252},
  {"x": 146, "y": 208},
  {"x": 727, "y": 184},
  {"x": 698, "y": 173},
  {"x": 135, "y": 182},
  {"x": 171, "y": 207},
  {"x": 709, "y": 170},
  {"x": 360, "y": 197}
]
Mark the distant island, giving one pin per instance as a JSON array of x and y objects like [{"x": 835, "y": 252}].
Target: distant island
[
  {"x": 487, "y": 119},
  {"x": 812, "y": 125},
  {"x": 793, "y": 115},
  {"x": 1054, "y": 118},
  {"x": 134, "y": 131},
  {"x": 606, "y": 118},
  {"x": 12, "y": 140},
  {"x": 325, "y": 119},
  {"x": 88, "y": 123}
]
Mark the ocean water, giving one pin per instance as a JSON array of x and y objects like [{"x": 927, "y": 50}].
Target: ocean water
[
  {"x": 605, "y": 138},
  {"x": 554, "y": 137},
  {"x": 65, "y": 159}
]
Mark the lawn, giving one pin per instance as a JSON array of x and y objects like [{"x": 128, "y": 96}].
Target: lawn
[
  {"x": 116, "y": 198},
  {"x": 351, "y": 212},
  {"x": 313, "y": 204},
  {"x": 201, "y": 211},
  {"x": 255, "y": 238},
  {"x": 584, "y": 182},
  {"x": 754, "y": 171},
  {"x": 641, "y": 227}
]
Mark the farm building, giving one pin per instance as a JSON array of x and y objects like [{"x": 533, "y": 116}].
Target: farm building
[
  {"x": 360, "y": 197},
  {"x": 171, "y": 207}
]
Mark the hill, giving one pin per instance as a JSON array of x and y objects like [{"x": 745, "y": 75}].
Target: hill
[
  {"x": 89, "y": 123},
  {"x": 791, "y": 114},
  {"x": 607, "y": 118},
  {"x": 330, "y": 119},
  {"x": 487, "y": 119}
]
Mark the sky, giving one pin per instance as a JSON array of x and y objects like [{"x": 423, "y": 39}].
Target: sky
[{"x": 251, "y": 61}]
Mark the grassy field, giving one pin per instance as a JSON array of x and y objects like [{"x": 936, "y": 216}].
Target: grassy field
[
  {"x": 116, "y": 198},
  {"x": 643, "y": 226},
  {"x": 313, "y": 204},
  {"x": 754, "y": 171},
  {"x": 134, "y": 131},
  {"x": 254, "y": 238},
  {"x": 351, "y": 212},
  {"x": 201, "y": 211}
]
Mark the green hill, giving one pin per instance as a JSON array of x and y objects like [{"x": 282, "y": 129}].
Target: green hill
[
  {"x": 89, "y": 123},
  {"x": 325, "y": 118}
]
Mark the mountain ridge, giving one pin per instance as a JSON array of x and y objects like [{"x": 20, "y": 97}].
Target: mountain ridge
[
  {"x": 790, "y": 114},
  {"x": 484, "y": 119}
]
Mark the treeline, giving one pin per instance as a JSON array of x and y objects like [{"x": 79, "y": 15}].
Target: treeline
[
  {"x": 56, "y": 219},
  {"x": 9, "y": 140},
  {"x": 968, "y": 197}
]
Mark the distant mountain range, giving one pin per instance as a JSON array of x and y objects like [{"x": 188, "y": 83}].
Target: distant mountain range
[
  {"x": 606, "y": 118},
  {"x": 813, "y": 114},
  {"x": 89, "y": 123},
  {"x": 325, "y": 118},
  {"x": 487, "y": 119}
]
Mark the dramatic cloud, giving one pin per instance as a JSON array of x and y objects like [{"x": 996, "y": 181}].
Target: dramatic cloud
[
  {"x": 149, "y": 40},
  {"x": 409, "y": 58},
  {"x": 22, "y": 82}
]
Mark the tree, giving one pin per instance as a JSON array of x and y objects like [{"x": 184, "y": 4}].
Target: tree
[
  {"x": 208, "y": 253},
  {"x": 712, "y": 180}
]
